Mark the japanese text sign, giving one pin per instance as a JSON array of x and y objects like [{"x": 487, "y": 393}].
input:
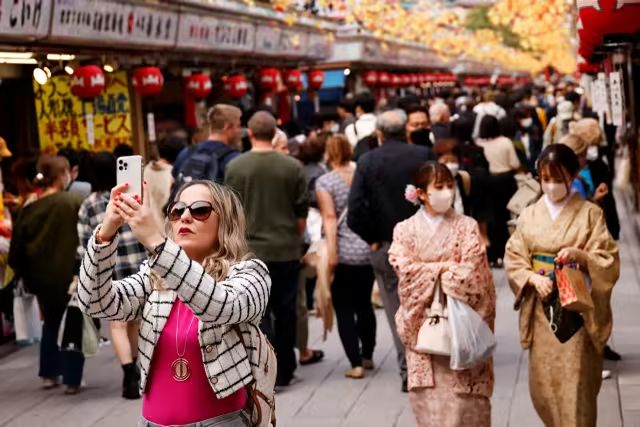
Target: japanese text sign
[
  {"x": 62, "y": 116},
  {"x": 24, "y": 18},
  {"x": 110, "y": 21}
]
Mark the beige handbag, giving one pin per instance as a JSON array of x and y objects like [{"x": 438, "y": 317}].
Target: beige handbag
[{"x": 434, "y": 336}]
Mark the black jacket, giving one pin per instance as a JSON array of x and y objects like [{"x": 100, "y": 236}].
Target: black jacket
[
  {"x": 600, "y": 174},
  {"x": 376, "y": 201}
]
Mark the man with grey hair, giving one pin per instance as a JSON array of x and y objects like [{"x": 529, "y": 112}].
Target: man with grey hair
[
  {"x": 208, "y": 159},
  {"x": 273, "y": 190},
  {"x": 377, "y": 204},
  {"x": 440, "y": 120}
]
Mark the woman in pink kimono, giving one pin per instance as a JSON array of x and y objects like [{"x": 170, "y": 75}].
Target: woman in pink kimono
[{"x": 439, "y": 245}]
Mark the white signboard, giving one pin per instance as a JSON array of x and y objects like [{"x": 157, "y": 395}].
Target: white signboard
[
  {"x": 271, "y": 40},
  {"x": 604, "y": 96},
  {"x": 210, "y": 33},
  {"x": 319, "y": 46},
  {"x": 25, "y": 18},
  {"x": 375, "y": 52},
  {"x": 617, "y": 104},
  {"x": 108, "y": 21}
]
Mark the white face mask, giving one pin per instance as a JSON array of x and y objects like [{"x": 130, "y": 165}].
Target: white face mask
[
  {"x": 592, "y": 152},
  {"x": 454, "y": 168},
  {"x": 525, "y": 123},
  {"x": 554, "y": 191},
  {"x": 441, "y": 200}
]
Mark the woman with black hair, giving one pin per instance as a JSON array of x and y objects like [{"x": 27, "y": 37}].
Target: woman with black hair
[
  {"x": 564, "y": 378},
  {"x": 529, "y": 134},
  {"x": 439, "y": 251},
  {"x": 503, "y": 165}
]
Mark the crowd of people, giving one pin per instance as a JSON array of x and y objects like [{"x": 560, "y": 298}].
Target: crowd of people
[{"x": 405, "y": 198}]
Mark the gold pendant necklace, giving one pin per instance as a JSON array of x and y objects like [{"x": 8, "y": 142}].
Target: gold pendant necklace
[
  {"x": 180, "y": 366},
  {"x": 180, "y": 369}
]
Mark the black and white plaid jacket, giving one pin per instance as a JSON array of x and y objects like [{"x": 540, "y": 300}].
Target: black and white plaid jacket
[
  {"x": 240, "y": 299},
  {"x": 130, "y": 252}
]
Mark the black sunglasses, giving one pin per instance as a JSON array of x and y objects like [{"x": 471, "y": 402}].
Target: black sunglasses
[{"x": 200, "y": 210}]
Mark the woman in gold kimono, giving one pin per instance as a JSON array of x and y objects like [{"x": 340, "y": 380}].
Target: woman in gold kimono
[{"x": 564, "y": 379}]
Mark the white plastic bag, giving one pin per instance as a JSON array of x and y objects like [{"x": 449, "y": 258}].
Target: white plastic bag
[
  {"x": 26, "y": 315},
  {"x": 472, "y": 341}
]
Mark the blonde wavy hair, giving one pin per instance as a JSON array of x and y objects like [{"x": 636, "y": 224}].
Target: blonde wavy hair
[{"x": 232, "y": 242}]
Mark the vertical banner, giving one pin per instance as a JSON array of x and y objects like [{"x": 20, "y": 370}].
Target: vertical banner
[
  {"x": 617, "y": 103},
  {"x": 63, "y": 119}
]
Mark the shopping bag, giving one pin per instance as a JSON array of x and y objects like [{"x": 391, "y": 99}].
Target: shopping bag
[
  {"x": 563, "y": 323},
  {"x": 472, "y": 341},
  {"x": 572, "y": 288},
  {"x": 26, "y": 316},
  {"x": 434, "y": 336},
  {"x": 77, "y": 331}
]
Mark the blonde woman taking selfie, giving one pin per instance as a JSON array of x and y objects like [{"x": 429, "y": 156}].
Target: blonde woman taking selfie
[{"x": 199, "y": 296}]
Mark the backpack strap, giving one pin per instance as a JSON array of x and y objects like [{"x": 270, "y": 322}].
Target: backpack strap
[{"x": 220, "y": 152}]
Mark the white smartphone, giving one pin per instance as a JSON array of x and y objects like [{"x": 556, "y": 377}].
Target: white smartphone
[{"x": 130, "y": 171}]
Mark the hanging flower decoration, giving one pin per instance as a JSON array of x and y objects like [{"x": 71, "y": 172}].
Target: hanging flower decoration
[{"x": 543, "y": 29}]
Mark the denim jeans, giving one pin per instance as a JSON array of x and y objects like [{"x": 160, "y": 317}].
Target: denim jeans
[
  {"x": 234, "y": 419},
  {"x": 54, "y": 362}
]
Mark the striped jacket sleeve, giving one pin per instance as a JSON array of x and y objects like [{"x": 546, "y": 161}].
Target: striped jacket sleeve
[
  {"x": 241, "y": 297},
  {"x": 101, "y": 297}
]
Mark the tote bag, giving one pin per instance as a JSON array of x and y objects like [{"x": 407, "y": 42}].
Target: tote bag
[
  {"x": 26, "y": 316},
  {"x": 434, "y": 336}
]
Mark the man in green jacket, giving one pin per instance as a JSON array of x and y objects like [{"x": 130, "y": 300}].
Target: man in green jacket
[{"x": 274, "y": 193}]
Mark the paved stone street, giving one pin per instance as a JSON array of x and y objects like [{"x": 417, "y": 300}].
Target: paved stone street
[{"x": 324, "y": 398}]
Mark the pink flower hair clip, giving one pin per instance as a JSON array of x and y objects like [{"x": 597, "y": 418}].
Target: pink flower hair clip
[{"x": 411, "y": 195}]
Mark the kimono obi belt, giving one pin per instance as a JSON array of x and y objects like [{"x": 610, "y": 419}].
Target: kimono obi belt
[{"x": 543, "y": 264}]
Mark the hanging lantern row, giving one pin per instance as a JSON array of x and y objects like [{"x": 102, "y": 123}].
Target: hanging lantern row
[
  {"x": 385, "y": 79},
  {"x": 88, "y": 82}
]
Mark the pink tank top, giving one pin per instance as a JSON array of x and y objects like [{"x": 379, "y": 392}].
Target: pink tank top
[{"x": 167, "y": 401}]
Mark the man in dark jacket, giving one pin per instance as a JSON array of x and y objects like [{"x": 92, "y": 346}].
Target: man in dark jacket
[{"x": 377, "y": 204}]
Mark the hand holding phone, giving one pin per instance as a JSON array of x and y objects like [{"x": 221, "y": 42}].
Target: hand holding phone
[{"x": 130, "y": 172}]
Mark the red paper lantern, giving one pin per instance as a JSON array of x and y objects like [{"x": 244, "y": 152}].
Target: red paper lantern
[
  {"x": 415, "y": 79},
  {"x": 396, "y": 80},
  {"x": 477, "y": 81},
  {"x": 87, "y": 81},
  {"x": 293, "y": 80},
  {"x": 236, "y": 86},
  {"x": 384, "y": 79},
  {"x": 370, "y": 78},
  {"x": 602, "y": 17},
  {"x": 198, "y": 85},
  {"x": 148, "y": 81},
  {"x": 268, "y": 79},
  {"x": 406, "y": 80},
  {"x": 315, "y": 79}
]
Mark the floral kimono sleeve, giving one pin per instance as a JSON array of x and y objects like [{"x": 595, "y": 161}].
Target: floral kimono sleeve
[
  {"x": 468, "y": 280},
  {"x": 416, "y": 282}
]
